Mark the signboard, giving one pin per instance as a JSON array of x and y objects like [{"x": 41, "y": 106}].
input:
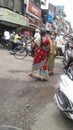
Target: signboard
[
  {"x": 51, "y": 13},
  {"x": 59, "y": 10},
  {"x": 48, "y": 26},
  {"x": 33, "y": 10},
  {"x": 50, "y": 19},
  {"x": 33, "y": 22},
  {"x": 51, "y": 7},
  {"x": 12, "y": 17}
]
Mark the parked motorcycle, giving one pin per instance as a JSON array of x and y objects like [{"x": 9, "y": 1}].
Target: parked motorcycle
[
  {"x": 64, "y": 96},
  {"x": 68, "y": 55},
  {"x": 66, "y": 44}
]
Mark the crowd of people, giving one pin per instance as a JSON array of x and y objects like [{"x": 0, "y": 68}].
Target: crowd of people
[
  {"x": 44, "y": 50},
  {"x": 15, "y": 39},
  {"x": 12, "y": 38}
]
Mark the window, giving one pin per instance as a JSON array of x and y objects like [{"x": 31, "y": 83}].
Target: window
[
  {"x": 11, "y": 4},
  {"x": 6, "y": 3},
  {"x": 1, "y": 2},
  {"x": 18, "y": 6}
]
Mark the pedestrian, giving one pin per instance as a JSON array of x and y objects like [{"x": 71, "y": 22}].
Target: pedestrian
[
  {"x": 39, "y": 66},
  {"x": 6, "y": 36},
  {"x": 12, "y": 35},
  {"x": 52, "y": 53},
  {"x": 17, "y": 39},
  {"x": 37, "y": 38},
  {"x": 60, "y": 42},
  {"x": 11, "y": 40},
  {"x": 37, "y": 34}
]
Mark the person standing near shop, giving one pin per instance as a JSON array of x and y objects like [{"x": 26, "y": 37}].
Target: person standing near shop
[
  {"x": 37, "y": 34},
  {"x": 6, "y": 36},
  {"x": 11, "y": 40}
]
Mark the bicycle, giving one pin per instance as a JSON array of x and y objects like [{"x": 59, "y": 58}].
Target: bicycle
[{"x": 20, "y": 52}]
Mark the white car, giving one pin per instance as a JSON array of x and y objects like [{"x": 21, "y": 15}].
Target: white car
[{"x": 64, "y": 96}]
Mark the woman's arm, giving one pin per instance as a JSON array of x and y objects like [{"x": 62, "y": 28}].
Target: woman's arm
[{"x": 36, "y": 43}]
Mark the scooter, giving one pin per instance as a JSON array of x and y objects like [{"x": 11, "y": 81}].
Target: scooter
[
  {"x": 68, "y": 55},
  {"x": 60, "y": 50},
  {"x": 64, "y": 96}
]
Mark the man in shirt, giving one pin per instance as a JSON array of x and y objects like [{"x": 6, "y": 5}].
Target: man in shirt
[
  {"x": 6, "y": 36},
  {"x": 37, "y": 36},
  {"x": 37, "y": 39}
]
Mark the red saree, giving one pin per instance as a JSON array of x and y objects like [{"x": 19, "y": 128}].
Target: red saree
[{"x": 39, "y": 67}]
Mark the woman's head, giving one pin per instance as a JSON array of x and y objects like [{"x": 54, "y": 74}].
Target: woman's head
[{"x": 43, "y": 35}]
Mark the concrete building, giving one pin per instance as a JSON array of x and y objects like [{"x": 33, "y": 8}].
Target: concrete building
[
  {"x": 11, "y": 13},
  {"x": 24, "y": 14}
]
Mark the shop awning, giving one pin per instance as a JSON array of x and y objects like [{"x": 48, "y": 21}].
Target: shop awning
[{"x": 12, "y": 17}]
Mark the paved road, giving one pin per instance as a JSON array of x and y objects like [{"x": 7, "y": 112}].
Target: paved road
[{"x": 25, "y": 102}]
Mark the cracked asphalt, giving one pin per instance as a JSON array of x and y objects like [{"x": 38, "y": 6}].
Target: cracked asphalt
[{"x": 27, "y": 103}]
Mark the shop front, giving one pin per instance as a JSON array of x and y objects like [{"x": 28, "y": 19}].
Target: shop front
[{"x": 12, "y": 19}]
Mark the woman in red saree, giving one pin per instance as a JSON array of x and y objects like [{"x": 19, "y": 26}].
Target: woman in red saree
[{"x": 39, "y": 67}]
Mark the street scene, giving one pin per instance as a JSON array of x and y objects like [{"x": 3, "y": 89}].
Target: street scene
[{"x": 26, "y": 102}]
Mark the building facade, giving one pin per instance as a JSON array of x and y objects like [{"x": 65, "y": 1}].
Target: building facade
[
  {"x": 14, "y": 5},
  {"x": 21, "y": 13},
  {"x": 11, "y": 14}
]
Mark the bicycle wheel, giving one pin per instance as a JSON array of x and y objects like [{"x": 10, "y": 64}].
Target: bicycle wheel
[
  {"x": 20, "y": 52},
  {"x": 29, "y": 49}
]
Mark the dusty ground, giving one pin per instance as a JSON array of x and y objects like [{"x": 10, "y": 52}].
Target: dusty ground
[{"x": 25, "y": 102}]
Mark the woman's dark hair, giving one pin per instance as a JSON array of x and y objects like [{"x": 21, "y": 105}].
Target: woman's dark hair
[{"x": 43, "y": 33}]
